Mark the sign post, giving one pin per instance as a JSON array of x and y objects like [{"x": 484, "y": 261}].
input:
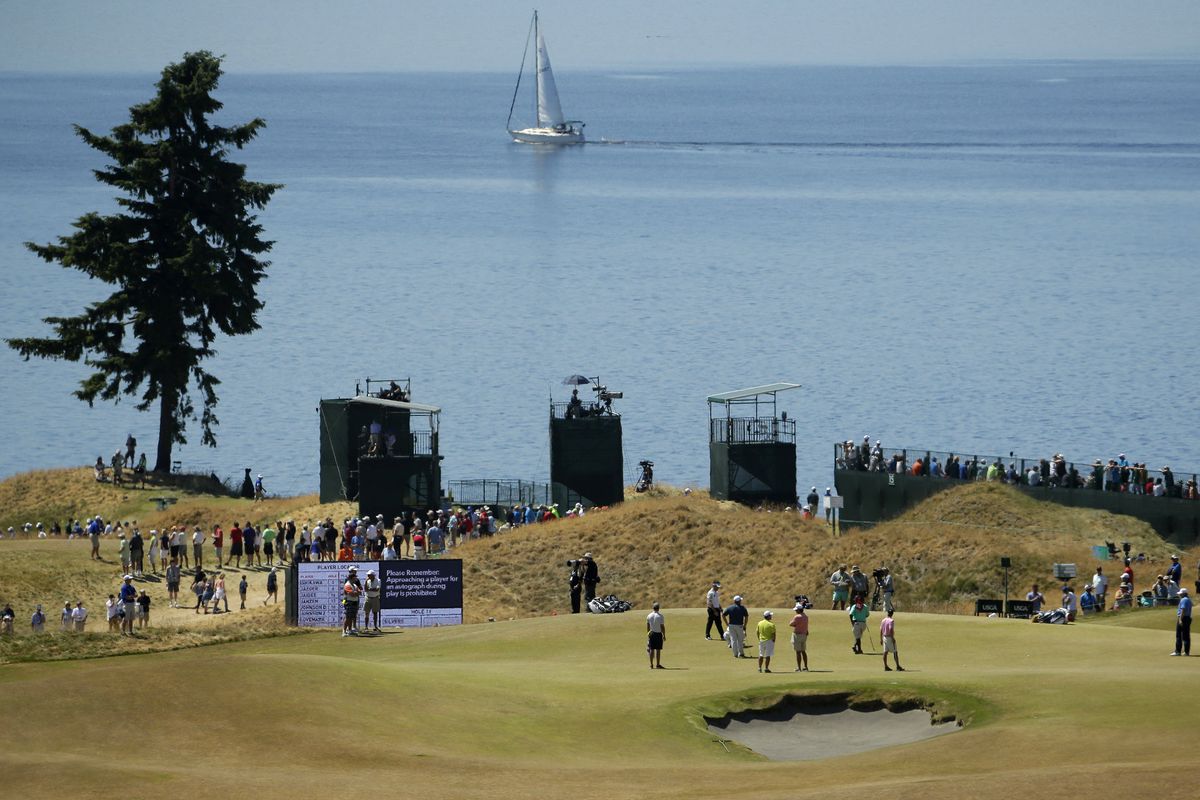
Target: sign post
[{"x": 1005, "y": 562}]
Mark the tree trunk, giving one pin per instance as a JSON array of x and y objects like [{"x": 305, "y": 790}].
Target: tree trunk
[{"x": 166, "y": 430}]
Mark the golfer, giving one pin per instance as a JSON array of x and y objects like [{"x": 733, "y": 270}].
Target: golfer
[
  {"x": 858, "y": 614},
  {"x": 736, "y": 616},
  {"x": 712, "y": 601},
  {"x": 887, "y": 641},
  {"x": 1183, "y": 625},
  {"x": 656, "y": 636},
  {"x": 799, "y": 626},
  {"x": 371, "y": 608},
  {"x": 766, "y": 642}
]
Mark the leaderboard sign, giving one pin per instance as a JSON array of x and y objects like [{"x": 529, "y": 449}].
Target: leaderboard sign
[{"x": 413, "y": 594}]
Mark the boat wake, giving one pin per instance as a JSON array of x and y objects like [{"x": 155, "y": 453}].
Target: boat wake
[{"x": 1131, "y": 147}]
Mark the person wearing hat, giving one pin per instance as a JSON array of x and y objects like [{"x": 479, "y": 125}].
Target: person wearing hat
[
  {"x": 859, "y": 585},
  {"x": 591, "y": 577},
  {"x": 351, "y": 592},
  {"x": 858, "y": 614},
  {"x": 736, "y": 616},
  {"x": 1088, "y": 602},
  {"x": 887, "y": 585},
  {"x": 38, "y": 621},
  {"x": 712, "y": 602},
  {"x": 799, "y": 626},
  {"x": 766, "y": 641},
  {"x": 840, "y": 580},
  {"x": 93, "y": 532},
  {"x": 1175, "y": 571},
  {"x": 260, "y": 491},
  {"x": 656, "y": 637},
  {"x": 6, "y": 619},
  {"x": 813, "y": 499},
  {"x": 371, "y": 604},
  {"x": 272, "y": 587},
  {"x": 887, "y": 641},
  {"x": 1183, "y": 625},
  {"x": 129, "y": 605}
]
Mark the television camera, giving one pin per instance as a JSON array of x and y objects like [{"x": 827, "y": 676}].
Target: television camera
[
  {"x": 646, "y": 480},
  {"x": 605, "y": 397}
]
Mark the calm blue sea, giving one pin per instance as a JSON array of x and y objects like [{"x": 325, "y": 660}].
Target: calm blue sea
[{"x": 995, "y": 257}]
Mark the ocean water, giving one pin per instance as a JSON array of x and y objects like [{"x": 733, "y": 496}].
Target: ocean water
[{"x": 994, "y": 257}]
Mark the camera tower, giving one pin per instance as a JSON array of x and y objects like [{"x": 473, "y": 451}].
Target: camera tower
[
  {"x": 586, "y": 462},
  {"x": 381, "y": 451},
  {"x": 751, "y": 447}
]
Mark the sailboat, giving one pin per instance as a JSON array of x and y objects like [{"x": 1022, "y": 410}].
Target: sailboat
[{"x": 551, "y": 127}]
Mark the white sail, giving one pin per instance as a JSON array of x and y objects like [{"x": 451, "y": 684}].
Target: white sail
[{"x": 548, "y": 109}]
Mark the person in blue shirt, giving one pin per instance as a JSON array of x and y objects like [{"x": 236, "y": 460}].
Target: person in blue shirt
[
  {"x": 1088, "y": 602},
  {"x": 735, "y": 617},
  {"x": 1183, "y": 625},
  {"x": 129, "y": 605},
  {"x": 1175, "y": 571}
]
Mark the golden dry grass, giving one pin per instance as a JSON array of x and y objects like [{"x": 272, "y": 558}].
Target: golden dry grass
[
  {"x": 944, "y": 554},
  {"x": 566, "y": 705}
]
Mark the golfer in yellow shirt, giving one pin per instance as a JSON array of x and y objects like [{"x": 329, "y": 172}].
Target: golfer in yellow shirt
[{"x": 766, "y": 642}]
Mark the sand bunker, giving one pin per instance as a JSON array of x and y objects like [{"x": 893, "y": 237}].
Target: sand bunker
[{"x": 800, "y": 731}]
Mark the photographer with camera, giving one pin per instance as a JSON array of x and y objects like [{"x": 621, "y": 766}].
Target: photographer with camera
[{"x": 575, "y": 581}]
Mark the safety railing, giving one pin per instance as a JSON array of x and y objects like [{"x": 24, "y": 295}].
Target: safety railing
[
  {"x": 1109, "y": 475},
  {"x": 751, "y": 430}
]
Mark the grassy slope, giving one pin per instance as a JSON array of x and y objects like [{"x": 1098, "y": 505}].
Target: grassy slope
[
  {"x": 566, "y": 705},
  {"x": 944, "y": 553}
]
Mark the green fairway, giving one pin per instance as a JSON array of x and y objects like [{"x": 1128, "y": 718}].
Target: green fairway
[{"x": 567, "y": 705}]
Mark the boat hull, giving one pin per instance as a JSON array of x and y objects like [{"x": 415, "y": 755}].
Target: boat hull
[{"x": 547, "y": 136}]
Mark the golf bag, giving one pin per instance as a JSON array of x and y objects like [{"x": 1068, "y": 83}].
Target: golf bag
[
  {"x": 1056, "y": 617},
  {"x": 610, "y": 604}
]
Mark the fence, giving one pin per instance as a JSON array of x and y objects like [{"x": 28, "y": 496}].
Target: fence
[
  {"x": 751, "y": 430},
  {"x": 485, "y": 491},
  {"x": 563, "y": 410},
  {"x": 1019, "y": 470}
]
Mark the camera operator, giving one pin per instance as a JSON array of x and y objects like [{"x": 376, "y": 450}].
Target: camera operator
[
  {"x": 576, "y": 583},
  {"x": 887, "y": 585}
]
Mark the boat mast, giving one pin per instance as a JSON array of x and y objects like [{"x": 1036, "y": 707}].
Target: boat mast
[{"x": 537, "y": 75}]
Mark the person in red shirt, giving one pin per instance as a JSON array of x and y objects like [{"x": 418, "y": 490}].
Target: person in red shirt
[
  {"x": 218, "y": 542},
  {"x": 235, "y": 545}
]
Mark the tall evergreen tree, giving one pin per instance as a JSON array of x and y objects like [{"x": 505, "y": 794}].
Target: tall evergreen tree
[{"x": 184, "y": 253}]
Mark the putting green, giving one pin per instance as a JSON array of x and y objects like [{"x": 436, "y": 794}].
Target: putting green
[{"x": 567, "y": 706}]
